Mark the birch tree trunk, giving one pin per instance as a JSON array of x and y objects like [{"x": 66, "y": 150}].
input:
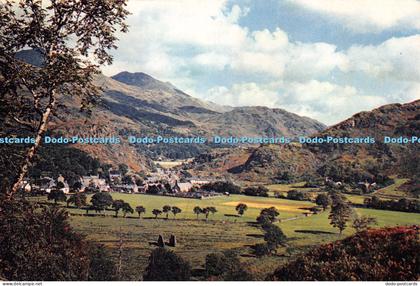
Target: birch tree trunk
[{"x": 42, "y": 127}]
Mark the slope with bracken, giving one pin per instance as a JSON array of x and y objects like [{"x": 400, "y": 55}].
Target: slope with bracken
[
  {"x": 352, "y": 162},
  {"x": 139, "y": 105}
]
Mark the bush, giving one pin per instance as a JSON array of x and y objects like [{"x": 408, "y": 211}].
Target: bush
[
  {"x": 402, "y": 205},
  {"x": 216, "y": 264},
  {"x": 222, "y": 187},
  {"x": 37, "y": 243},
  {"x": 226, "y": 266},
  {"x": 390, "y": 254},
  {"x": 165, "y": 265},
  {"x": 102, "y": 266},
  {"x": 259, "y": 191},
  {"x": 297, "y": 195},
  {"x": 267, "y": 216}
]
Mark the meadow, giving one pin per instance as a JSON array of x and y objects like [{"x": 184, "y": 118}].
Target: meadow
[{"x": 224, "y": 230}]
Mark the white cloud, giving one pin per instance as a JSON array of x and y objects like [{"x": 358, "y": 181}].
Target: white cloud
[
  {"x": 365, "y": 16},
  {"x": 396, "y": 58},
  {"x": 243, "y": 94},
  {"x": 194, "y": 44},
  {"x": 325, "y": 101}
]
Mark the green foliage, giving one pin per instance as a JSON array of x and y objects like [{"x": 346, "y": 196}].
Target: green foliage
[
  {"x": 340, "y": 214},
  {"x": 225, "y": 266},
  {"x": 222, "y": 187},
  {"x": 166, "y": 209},
  {"x": 126, "y": 208},
  {"x": 268, "y": 215},
  {"x": 78, "y": 199},
  {"x": 403, "y": 204},
  {"x": 241, "y": 208},
  {"x": 323, "y": 200},
  {"x": 57, "y": 196},
  {"x": 165, "y": 265},
  {"x": 123, "y": 169},
  {"x": 259, "y": 191},
  {"x": 197, "y": 210},
  {"x": 37, "y": 243},
  {"x": 101, "y": 267},
  {"x": 176, "y": 210},
  {"x": 363, "y": 223},
  {"x": 297, "y": 195},
  {"x": 56, "y": 159},
  {"x": 140, "y": 210},
  {"x": 261, "y": 249},
  {"x": 390, "y": 254},
  {"x": 156, "y": 212},
  {"x": 117, "y": 205},
  {"x": 273, "y": 236},
  {"x": 100, "y": 201}
]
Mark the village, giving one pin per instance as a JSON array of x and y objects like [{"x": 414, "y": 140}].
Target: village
[{"x": 165, "y": 182}]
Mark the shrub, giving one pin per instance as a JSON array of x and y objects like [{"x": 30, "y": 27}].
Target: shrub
[
  {"x": 259, "y": 191},
  {"x": 165, "y": 265},
  {"x": 37, "y": 243},
  {"x": 222, "y": 187},
  {"x": 390, "y": 254},
  {"x": 297, "y": 195}
]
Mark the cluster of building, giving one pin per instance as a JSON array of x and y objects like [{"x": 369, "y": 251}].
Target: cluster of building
[{"x": 160, "y": 182}]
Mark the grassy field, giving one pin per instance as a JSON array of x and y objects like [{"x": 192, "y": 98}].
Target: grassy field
[
  {"x": 225, "y": 206},
  {"x": 224, "y": 230},
  {"x": 391, "y": 191}
]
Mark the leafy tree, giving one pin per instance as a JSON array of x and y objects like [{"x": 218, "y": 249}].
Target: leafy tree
[
  {"x": 166, "y": 209},
  {"x": 323, "y": 200},
  {"x": 241, "y": 208},
  {"x": 389, "y": 254},
  {"x": 363, "y": 223},
  {"x": 117, "y": 205},
  {"x": 212, "y": 210},
  {"x": 77, "y": 186},
  {"x": 38, "y": 243},
  {"x": 127, "y": 180},
  {"x": 197, "y": 210},
  {"x": 222, "y": 187},
  {"x": 261, "y": 249},
  {"x": 123, "y": 169},
  {"x": 165, "y": 265},
  {"x": 340, "y": 214},
  {"x": 73, "y": 39},
  {"x": 78, "y": 199},
  {"x": 57, "y": 196},
  {"x": 273, "y": 236},
  {"x": 268, "y": 215},
  {"x": 126, "y": 208},
  {"x": 140, "y": 210},
  {"x": 100, "y": 201},
  {"x": 206, "y": 212},
  {"x": 259, "y": 191},
  {"x": 139, "y": 182},
  {"x": 216, "y": 264},
  {"x": 297, "y": 195},
  {"x": 102, "y": 266},
  {"x": 176, "y": 210},
  {"x": 226, "y": 266},
  {"x": 156, "y": 212}
]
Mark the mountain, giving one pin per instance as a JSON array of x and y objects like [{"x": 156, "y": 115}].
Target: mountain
[
  {"x": 343, "y": 162},
  {"x": 139, "y": 105}
]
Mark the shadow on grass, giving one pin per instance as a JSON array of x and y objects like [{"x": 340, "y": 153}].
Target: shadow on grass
[
  {"x": 314, "y": 231},
  {"x": 255, "y": 235},
  {"x": 232, "y": 215}
]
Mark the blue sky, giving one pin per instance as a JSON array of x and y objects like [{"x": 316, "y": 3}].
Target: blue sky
[{"x": 326, "y": 59}]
